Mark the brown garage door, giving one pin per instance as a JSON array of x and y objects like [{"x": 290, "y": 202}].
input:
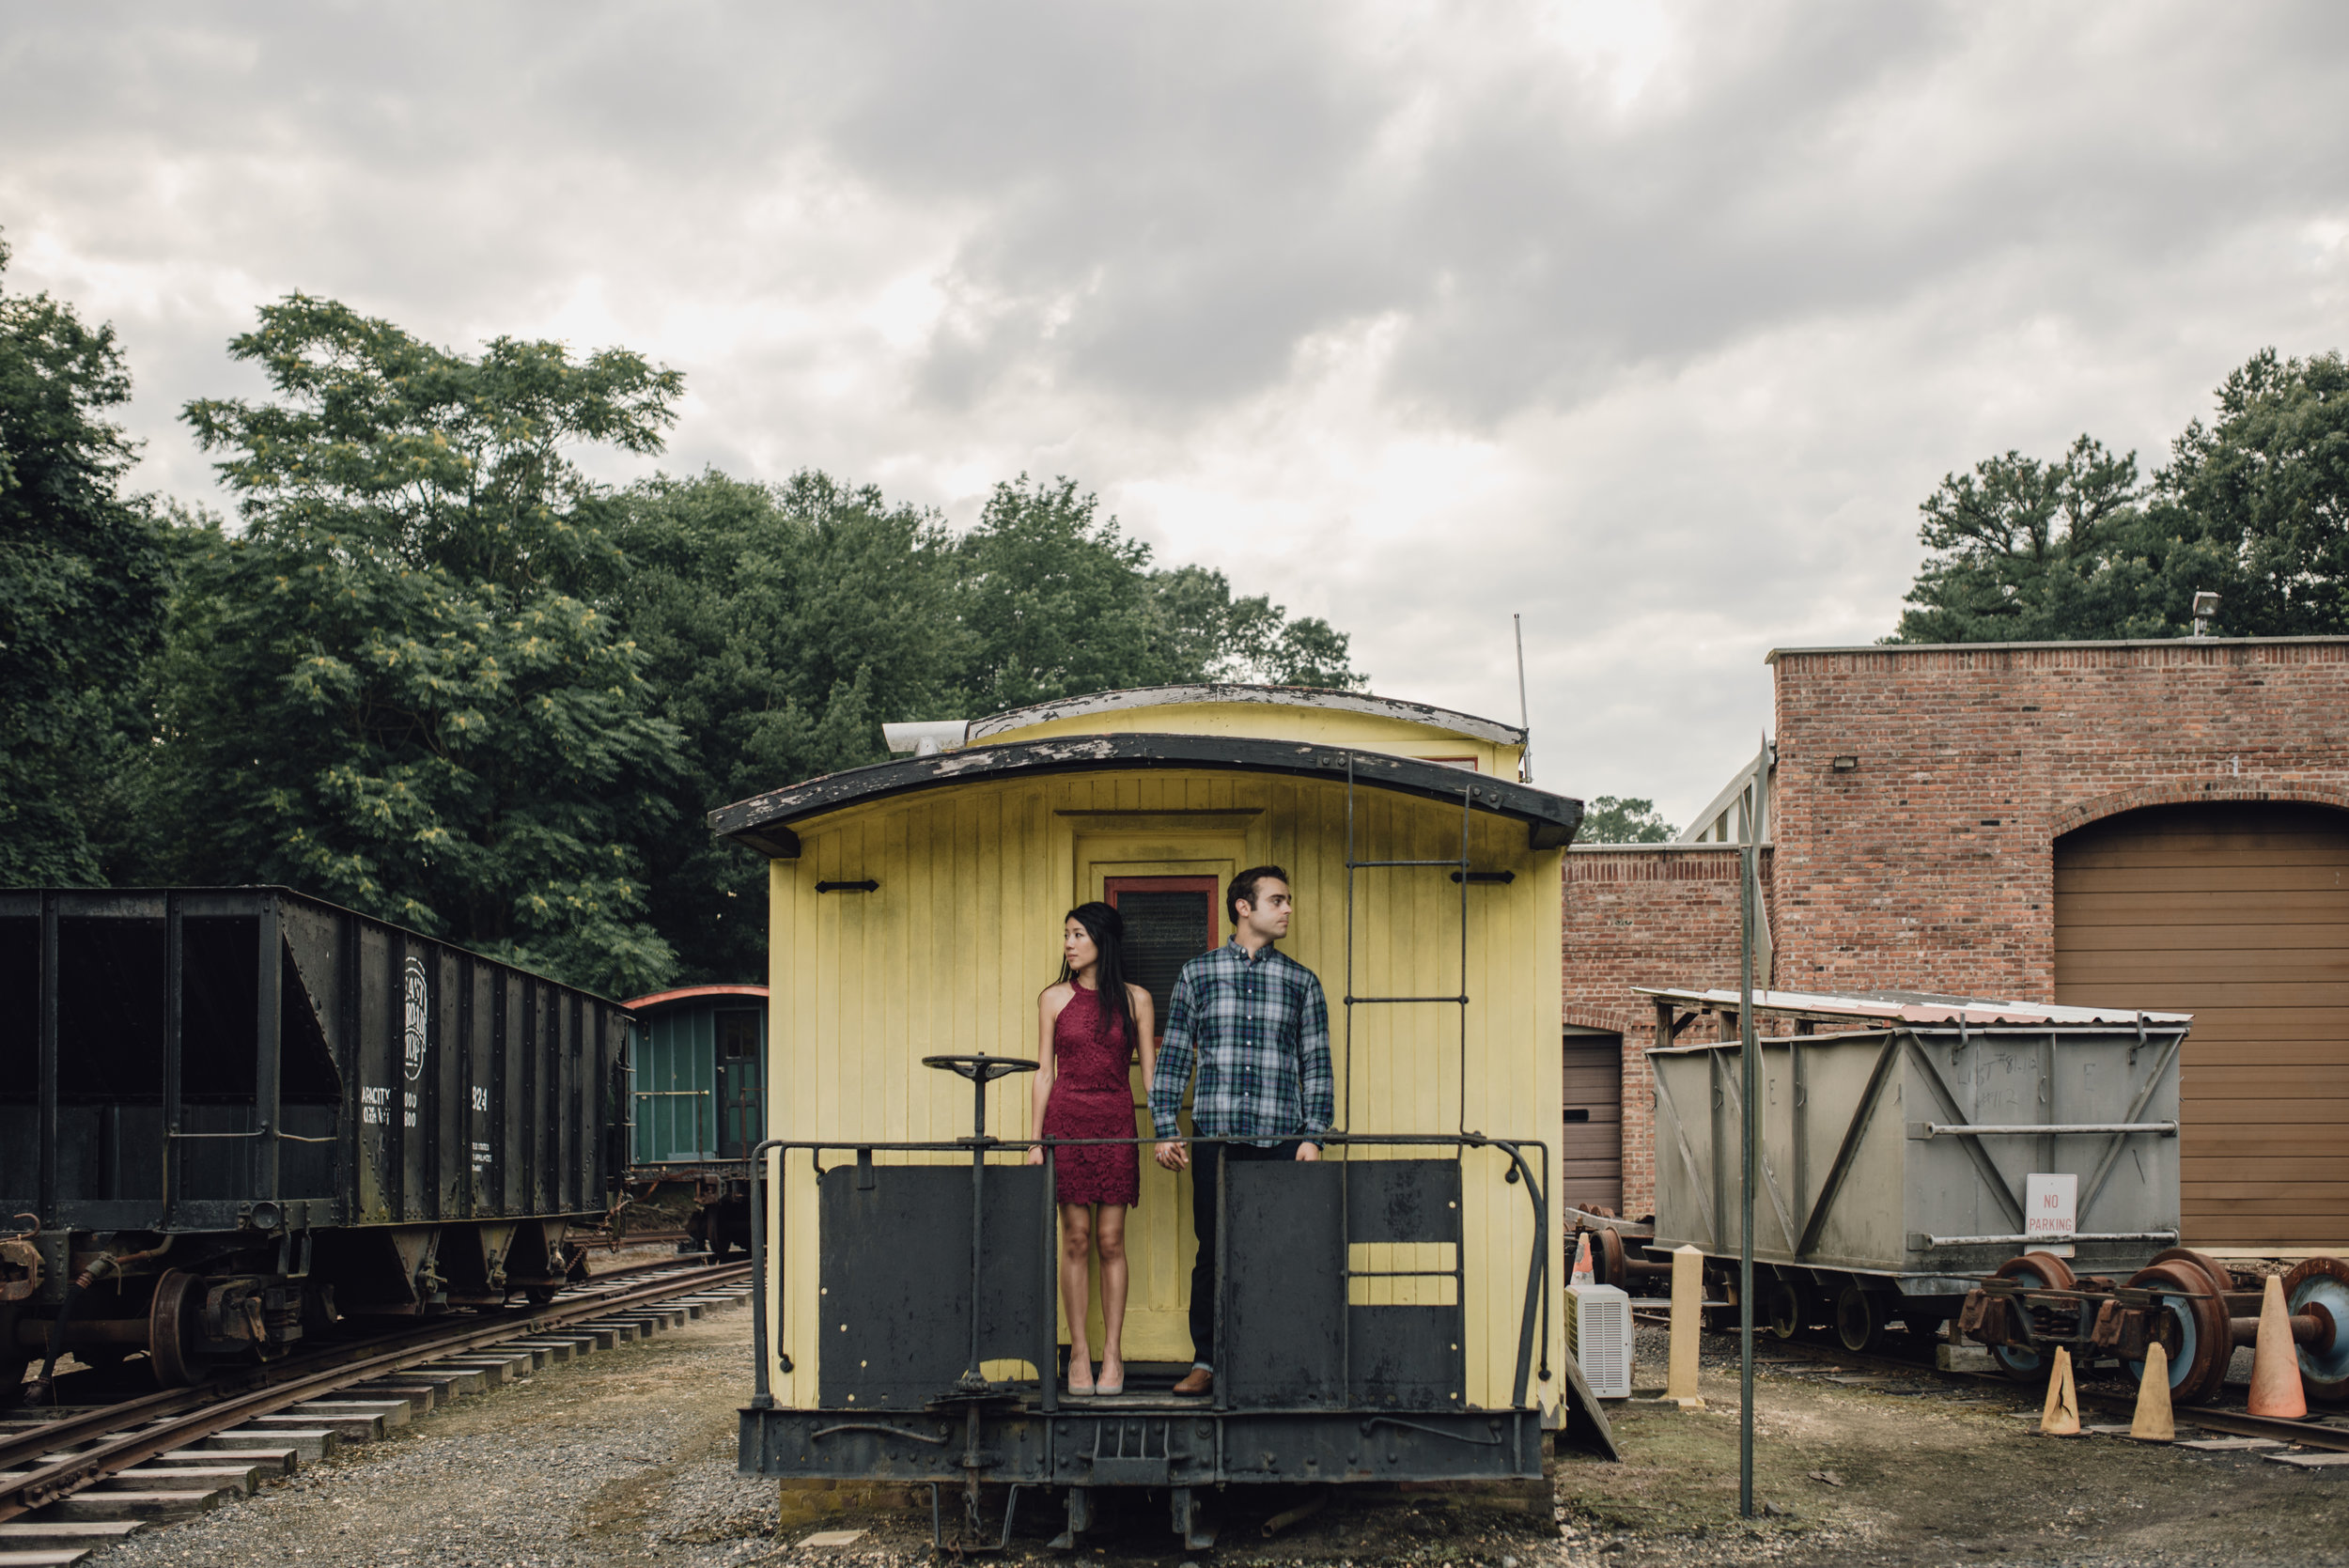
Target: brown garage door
[
  {"x": 2238, "y": 914},
  {"x": 1592, "y": 1150}
]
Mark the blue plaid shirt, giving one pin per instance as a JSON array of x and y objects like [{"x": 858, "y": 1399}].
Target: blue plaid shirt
[{"x": 1258, "y": 1029}]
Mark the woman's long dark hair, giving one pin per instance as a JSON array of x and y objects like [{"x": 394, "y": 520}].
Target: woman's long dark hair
[{"x": 1107, "y": 928}]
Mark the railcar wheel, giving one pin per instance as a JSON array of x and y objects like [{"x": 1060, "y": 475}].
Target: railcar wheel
[
  {"x": 2322, "y": 1283},
  {"x": 2219, "y": 1279},
  {"x": 1788, "y": 1306},
  {"x": 2033, "y": 1271},
  {"x": 171, "y": 1327},
  {"x": 2198, "y": 1368},
  {"x": 1613, "y": 1267},
  {"x": 1859, "y": 1319}
]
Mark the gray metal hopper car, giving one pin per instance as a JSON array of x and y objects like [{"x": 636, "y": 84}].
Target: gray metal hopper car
[{"x": 1901, "y": 1133}]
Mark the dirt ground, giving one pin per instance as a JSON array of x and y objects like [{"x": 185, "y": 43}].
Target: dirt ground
[
  {"x": 628, "y": 1458},
  {"x": 1903, "y": 1472}
]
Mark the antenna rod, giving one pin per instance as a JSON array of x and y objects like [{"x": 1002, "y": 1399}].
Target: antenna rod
[{"x": 1525, "y": 758}]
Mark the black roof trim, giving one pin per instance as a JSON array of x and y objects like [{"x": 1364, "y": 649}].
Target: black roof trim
[{"x": 763, "y": 821}]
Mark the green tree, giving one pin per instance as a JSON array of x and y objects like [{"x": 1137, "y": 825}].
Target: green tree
[
  {"x": 83, "y": 571},
  {"x": 401, "y": 684},
  {"x": 1622, "y": 819},
  {"x": 782, "y": 625},
  {"x": 2252, "y": 506},
  {"x": 2268, "y": 482},
  {"x": 2031, "y": 551},
  {"x": 785, "y": 624},
  {"x": 1057, "y": 601}
]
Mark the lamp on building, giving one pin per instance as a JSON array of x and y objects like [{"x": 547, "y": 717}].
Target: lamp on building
[
  {"x": 1845, "y": 765},
  {"x": 2205, "y": 606}
]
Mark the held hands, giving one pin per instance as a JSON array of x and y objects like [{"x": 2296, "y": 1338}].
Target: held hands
[
  {"x": 1035, "y": 1155},
  {"x": 1308, "y": 1152},
  {"x": 1174, "y": 1154}
]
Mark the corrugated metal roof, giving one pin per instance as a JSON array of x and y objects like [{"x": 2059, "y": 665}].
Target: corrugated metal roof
[{"x": 1909, "y": 1007}]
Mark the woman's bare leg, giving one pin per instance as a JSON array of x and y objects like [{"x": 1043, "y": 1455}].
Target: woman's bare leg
[
  {"x": 1076, "y": 1260},
  {"x": 1109, "y": 1232}
]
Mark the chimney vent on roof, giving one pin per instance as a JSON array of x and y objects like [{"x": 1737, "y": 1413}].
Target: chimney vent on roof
[{"x": 929, "y": 739}]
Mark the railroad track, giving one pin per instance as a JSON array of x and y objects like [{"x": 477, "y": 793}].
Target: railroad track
[
  {"x": 74, "y": 1480},
  {"x": 2327, "y": 1430}
]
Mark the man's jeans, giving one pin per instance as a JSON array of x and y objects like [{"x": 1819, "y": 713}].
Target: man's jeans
[{"x": 1206, "y": 1171}]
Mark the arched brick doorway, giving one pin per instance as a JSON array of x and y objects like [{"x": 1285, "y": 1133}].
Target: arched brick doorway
[{"x": 2237, "y": 912}]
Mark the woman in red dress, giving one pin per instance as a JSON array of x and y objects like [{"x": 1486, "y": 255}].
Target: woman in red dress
[{"x": 1087, "y": 1026}]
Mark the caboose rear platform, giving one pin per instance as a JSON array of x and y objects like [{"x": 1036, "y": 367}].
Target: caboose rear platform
[{"x": 1341, "y": 1333}]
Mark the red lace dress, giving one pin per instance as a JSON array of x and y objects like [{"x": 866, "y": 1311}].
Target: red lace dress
[{"x": 1092, "y": 1097}]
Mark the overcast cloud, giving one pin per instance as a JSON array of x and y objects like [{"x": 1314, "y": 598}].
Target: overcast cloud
[{"x": 1653, "y": 322}]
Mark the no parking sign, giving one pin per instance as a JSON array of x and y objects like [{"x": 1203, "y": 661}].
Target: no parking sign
[{"x": 2051, "y": 1207}]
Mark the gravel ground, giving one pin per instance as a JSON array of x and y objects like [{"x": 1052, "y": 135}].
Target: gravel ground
[{"x": 626, "y": 1456}]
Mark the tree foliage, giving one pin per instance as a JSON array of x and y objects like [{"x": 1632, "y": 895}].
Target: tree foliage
[
  {"x": 1625, "y": 819},
  {"x": 402, "y": 685},
  {"x": 1058, "y": 600},
  {"x": 2269, "y": 478},
  {"x": 783, "y": 625},
  {"x": 432, "y": 672},
  {"x": 83, "y": 570},
  {"x": 2253, "y": 506}
]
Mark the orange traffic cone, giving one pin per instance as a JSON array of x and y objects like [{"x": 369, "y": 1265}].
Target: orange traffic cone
[
  {"x": 2276, "y": 1361},
  {"x": 1582, "y": 1261},
  {"x": 2154, "y": 1423},
  {"x": 2062, "y": 1419}
]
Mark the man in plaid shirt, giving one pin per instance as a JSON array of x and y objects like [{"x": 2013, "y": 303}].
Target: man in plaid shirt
[{"x": 1253, "y": 1021}]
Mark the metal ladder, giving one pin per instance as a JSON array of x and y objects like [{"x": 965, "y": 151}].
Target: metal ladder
[{"x": 1463, "y": 873}]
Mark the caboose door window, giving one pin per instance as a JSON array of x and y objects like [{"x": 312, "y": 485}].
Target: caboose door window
[{"x": 1169, "y": 922}]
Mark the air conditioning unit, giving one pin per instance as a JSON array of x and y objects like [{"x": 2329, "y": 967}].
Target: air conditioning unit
[{"x": 1598, "y": 1328}]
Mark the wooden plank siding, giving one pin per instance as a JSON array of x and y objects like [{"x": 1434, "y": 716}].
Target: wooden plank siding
[
  {"x": 2239, "y": 914},
  {"x": 948, "y": 955}
]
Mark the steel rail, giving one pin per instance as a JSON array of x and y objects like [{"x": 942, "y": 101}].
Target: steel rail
[
  {"x": 97, "y": 1421},
  {"x": 39, "y": 1487}
]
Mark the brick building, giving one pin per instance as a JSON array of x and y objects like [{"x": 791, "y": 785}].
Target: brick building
[{"x": 2158, "y": 825}]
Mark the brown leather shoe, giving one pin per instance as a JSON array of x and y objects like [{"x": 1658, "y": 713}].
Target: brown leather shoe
[{"x": 1196, "y": 1381}]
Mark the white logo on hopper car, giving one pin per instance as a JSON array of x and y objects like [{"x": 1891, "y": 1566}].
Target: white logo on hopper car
[{"x": 418, "y": 1008}]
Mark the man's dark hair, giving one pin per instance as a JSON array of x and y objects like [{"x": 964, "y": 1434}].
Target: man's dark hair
[{"x": 1243, "y": 888}]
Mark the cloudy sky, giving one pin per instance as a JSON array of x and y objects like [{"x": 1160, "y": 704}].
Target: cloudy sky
[{"x": 1652, "y": 322}]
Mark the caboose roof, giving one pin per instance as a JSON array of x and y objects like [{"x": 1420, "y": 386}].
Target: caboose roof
[
  {"x": 764, "y": 822},
  {"x": 1324, "y": 698}
]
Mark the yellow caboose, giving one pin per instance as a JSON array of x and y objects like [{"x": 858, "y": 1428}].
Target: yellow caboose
[{"x": 1389, "y": 1312}]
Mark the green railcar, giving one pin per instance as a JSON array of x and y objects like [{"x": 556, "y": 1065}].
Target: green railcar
[{"x": 699, "y": 1102}]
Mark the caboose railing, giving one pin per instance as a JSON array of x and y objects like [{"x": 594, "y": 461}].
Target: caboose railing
[{"x": 1533, "y": 1329}]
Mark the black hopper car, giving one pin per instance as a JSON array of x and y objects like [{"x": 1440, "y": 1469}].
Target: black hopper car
[{"x": 230, "y": 1115}]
